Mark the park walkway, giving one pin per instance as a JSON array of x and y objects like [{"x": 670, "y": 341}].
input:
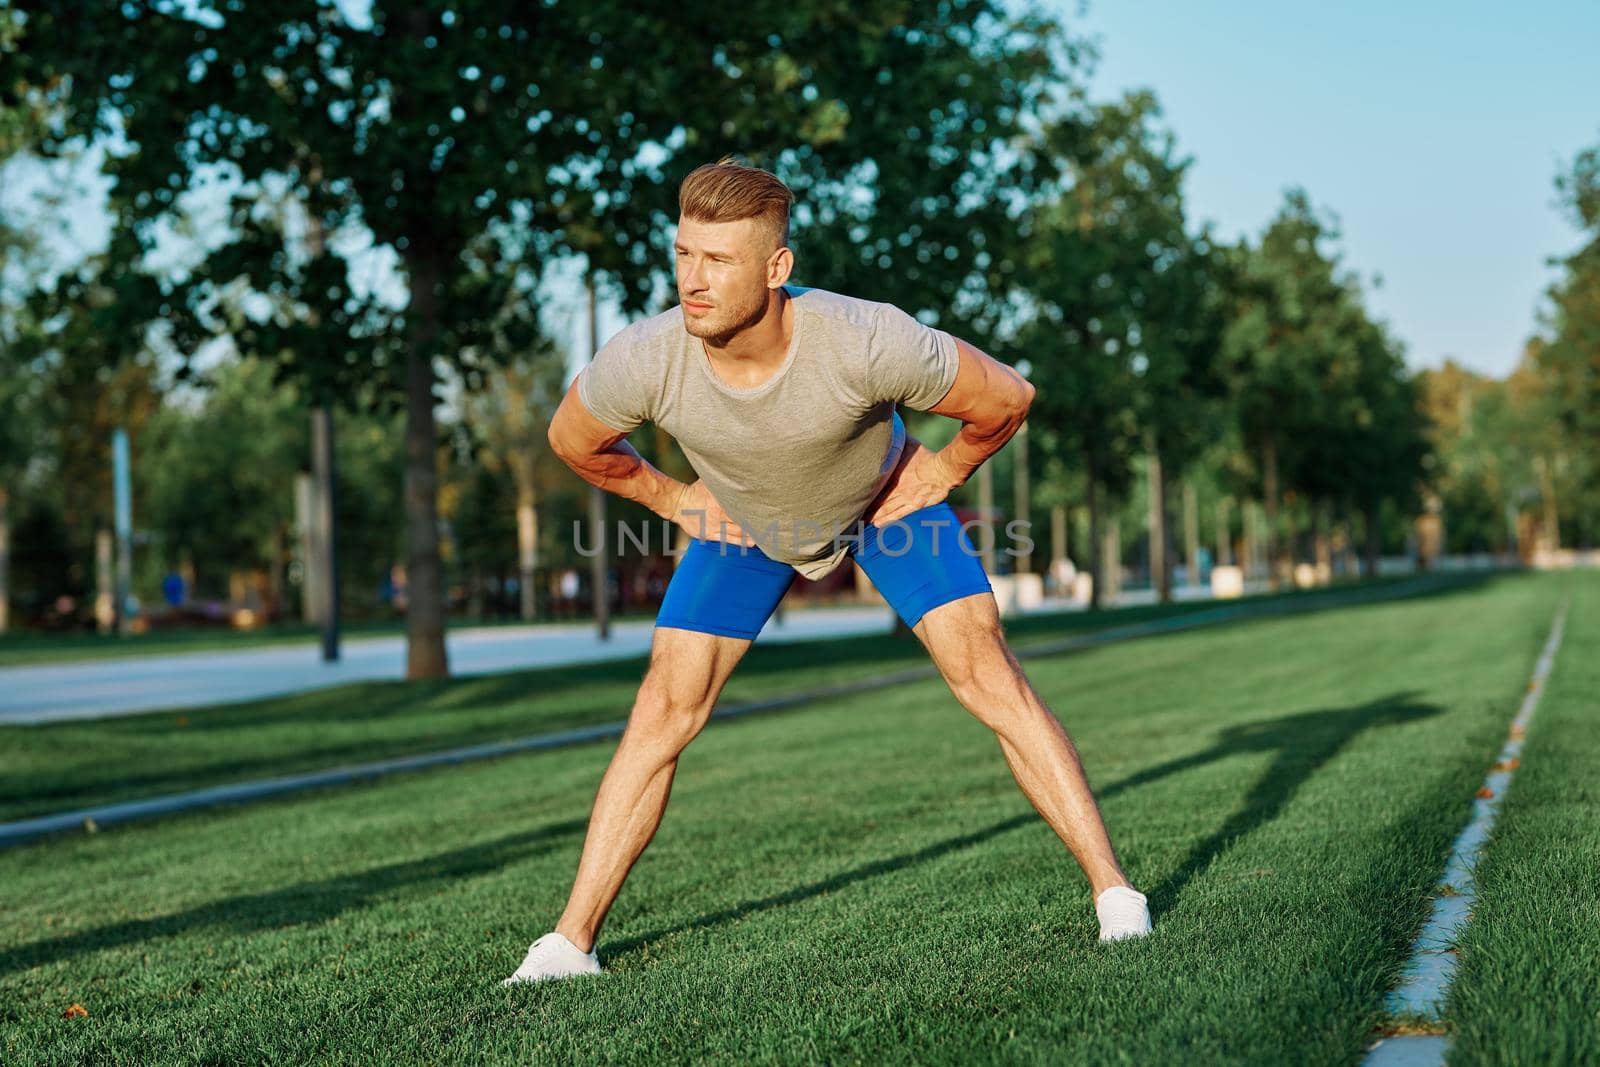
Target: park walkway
[
  {"x": 131, "y": 684},
  {"x": 128, "y": 684}
]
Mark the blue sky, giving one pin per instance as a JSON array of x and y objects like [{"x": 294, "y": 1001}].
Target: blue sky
[{"x": 1432, "y": 130}]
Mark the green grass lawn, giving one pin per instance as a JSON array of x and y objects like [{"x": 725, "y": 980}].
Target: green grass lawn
[
  {"x": 856, "y": 882},
  {"x": 1528, "y": 990},
  {"x": 64, "y": 766}
]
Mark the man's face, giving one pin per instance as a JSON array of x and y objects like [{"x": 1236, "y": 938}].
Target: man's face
[{"x": 723, "y": 273}]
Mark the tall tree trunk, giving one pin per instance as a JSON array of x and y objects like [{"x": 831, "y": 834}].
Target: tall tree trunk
[
  {"x": 1022, "y": 510},
  {"x": 1374, "y": 540},
  {"x": 1291, "y": 541},
  {"x": 1092, "y": 561},
  {"x": 1269, "y": 477},
  {"x": 1058, "y": 536},
  {"x": 1224, "y": 533},
  {"x": 305, "y": 525},
  {"x": 1321, "y": 542},
  {"x": 599, "y": 563},
  {"x": 1111, "y": 564},
  {"x": 986, "y": 516},
  {"x": 5, "y": 561},
  {"x": 324, "y": 477},
  {"x": 527, "y": 550},
  {"x": 123, "y": 491},
  {"x": 325, "y": 508},
  {"x": 425, "y": 651},
  {"x": 1191, "y": 533},
  {"x": 1250, "y": 529},
  {"x": 275, "y": 565},
  {"x": 105, "y": 580},
  {"x": 1160, "y": 574},
  {"x": 1552, "y": 515},
  {"x": 1347, "y": 531}
]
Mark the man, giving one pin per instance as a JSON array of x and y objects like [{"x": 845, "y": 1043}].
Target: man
[{"x": 783, "y": 399}]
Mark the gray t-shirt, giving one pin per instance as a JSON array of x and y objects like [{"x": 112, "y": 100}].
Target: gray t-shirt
[{"x": 796, "y": 460}]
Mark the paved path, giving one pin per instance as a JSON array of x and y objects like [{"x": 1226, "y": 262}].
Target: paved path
[{"x": 128, "y": 684}]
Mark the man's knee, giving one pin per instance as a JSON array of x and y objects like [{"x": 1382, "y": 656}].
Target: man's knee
[
  {"x": 982, "y": 673},
  {"x": 674, "y": 701},
  {"x": 966, "y": 643}
]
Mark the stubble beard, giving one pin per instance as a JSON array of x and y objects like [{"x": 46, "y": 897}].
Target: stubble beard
[{"x": 720, "y": 333}]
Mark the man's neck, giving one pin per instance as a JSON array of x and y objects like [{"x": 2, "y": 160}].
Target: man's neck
[{"x": 764, "y": 342}]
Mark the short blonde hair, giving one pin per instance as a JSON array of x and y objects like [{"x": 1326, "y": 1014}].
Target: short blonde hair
[{"x": 727, "y": 191}]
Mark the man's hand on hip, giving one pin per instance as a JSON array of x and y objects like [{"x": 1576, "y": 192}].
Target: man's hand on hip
[
  {"x": 698, "y": 512},
  {"x": 919, "y": 480}
]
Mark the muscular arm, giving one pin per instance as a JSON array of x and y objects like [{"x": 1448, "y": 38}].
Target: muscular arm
[
  {"x": 602, "y": 457},
  {"x": 991, "y": 400}
]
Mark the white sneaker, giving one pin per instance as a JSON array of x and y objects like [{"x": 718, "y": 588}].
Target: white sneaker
[
  {"x": 553, "y": 956},
  {"x": 1123, "y": 912}
]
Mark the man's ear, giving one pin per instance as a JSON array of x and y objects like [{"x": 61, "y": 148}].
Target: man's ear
[{"x": 779, "y": 266}]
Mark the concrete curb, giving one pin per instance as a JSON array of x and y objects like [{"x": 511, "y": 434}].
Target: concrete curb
[{"x": 1419, "y": 999}]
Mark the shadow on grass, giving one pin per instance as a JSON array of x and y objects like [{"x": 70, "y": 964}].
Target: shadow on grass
[
  {"x": 1304, "y": 742},
  {"x": 306, "y": 902},
  {"x": 1302, "y": 745}
]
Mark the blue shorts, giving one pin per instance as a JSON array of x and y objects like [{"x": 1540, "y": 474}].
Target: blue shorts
[{"x": 918, "y": 562}]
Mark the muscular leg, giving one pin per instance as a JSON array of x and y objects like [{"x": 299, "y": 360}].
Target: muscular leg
[
  {"x": 966, "y": 642},
  {"x": 687, "y": 672}
]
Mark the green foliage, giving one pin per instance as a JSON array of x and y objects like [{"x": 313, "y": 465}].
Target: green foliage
[
  {"x": 1316, "y": 383},
  {"x": 216, "y": 478},
  {"x": 485, "y": 145},
  {"x": 1478, "y": 429},
  {"x": 1567, "y": 359},
  {"x": 945, "y": 158},
  {"x": 478, "y": 145},
  {"x": 370, "y": 510},
  {"x": 1289, "y": 319},
  {"x": 82, "y": 371},
  {"x": 1085, "y": 264},
  {"x": 1123, "y": 309},
  {"x": 215, "y": 482}
]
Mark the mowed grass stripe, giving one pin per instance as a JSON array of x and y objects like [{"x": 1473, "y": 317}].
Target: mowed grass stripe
[
  {"x": 58, "y": 767},
  {"x": 860, "y": 882},
  {"x": 20, "y": 831},
  {"x": 1527, "y": 990}
]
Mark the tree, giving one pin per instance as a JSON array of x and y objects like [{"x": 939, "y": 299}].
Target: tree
[
  {"x": 512, "y": 419},
  {"x": 216, "y": 478},
  {"x": 1290, "y": 310},
  {"x": 1567, "y": 358},
  {"x": 1116, "y": 292},
  {"x": 477, "y": 147},
  {"x": 94, "y": 372},
  {"x": 1376, "y": 449},
  {"x": 1181, "y": 299},
  {"x": 23, "y": 118}
]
